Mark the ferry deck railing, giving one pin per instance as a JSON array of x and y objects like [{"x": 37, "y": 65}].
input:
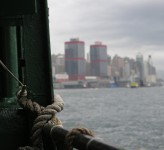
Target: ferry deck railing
[{"x": 82, "y": 142}]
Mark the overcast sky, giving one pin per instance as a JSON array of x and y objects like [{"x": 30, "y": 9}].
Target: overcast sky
[{"x": 125, "y": 26}]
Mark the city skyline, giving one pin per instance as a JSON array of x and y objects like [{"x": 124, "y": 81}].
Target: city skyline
[
  {"x": 73, "y": 66},
  {"x": 87, "y": 54},
  {"x": 114, "y": 54},
  {"x": 125, "y": 26}
]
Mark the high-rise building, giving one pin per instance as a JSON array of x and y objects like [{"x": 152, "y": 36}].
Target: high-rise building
[
  {"x": 151, "y": 68},
  {"x": 99, "y": 60},
  {"x": 58, "y": 63},
  {"x": 75, "y": 59},
  {"x": 117, "y": 66},
  {"x": 151, "y": 71},
  {"x": 126, "y": 69},
  {"x": 140, "y": 66}
]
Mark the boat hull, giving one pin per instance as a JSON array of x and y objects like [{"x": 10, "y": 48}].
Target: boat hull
[{"x": 134, "y": 85}]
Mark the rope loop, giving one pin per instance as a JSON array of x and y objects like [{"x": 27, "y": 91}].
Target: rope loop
[
  {"x": 73, "y": 133},
  {"x": 44, "y": 115}
]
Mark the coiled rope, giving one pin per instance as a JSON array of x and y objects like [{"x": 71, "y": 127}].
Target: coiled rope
[
  {"x": 73, "y": 133},
  {"x": 44, "y": 115}
]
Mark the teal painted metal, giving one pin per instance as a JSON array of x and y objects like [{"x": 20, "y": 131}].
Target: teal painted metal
[
  {"x": 13, "y": 129},
  {"x": 9, "y": 57},
  {"x": 37, "y": 55},
  {"x": 26, "y": 52},
  {"x": 34, "y": 51},
  {"x": 17, "y": 7}
]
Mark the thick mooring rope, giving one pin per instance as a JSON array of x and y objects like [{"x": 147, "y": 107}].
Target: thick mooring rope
[
  {"x": 44, "y": 115},
  {"x": 73, "y": 133}
]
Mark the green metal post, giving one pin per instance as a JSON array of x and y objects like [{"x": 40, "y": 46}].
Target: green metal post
[{"x": 9, "y": 51}]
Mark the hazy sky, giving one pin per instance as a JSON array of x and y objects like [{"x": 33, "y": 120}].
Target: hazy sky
[{"x": 125, "y": 26}]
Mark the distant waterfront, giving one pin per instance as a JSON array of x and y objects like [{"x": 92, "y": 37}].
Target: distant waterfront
[
  {"x": 99, "y": 83},
  {"x": 124, "y": 117}
]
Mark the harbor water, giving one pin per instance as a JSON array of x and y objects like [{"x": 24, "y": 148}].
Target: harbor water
[{"x": 127, "y": 118}]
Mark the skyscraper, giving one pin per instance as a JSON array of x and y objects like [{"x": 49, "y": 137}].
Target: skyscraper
[
  {"x": 151, "y": 72},
  {"x": 98, "y": 60},
  {"x": 140, "y": 66},
  {"x": 58, "y": 63},
  {"x": 126, "y": 69},
  {"x": 151, "y": 68},
  {"x": 75, "y": 59}
]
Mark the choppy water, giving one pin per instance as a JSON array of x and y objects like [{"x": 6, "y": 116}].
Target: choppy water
[{"x": 128, "y": 118}]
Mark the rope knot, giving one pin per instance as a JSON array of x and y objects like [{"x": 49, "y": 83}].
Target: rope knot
[
  {"x": 44, "y": 115},
  {"x": 55, "y": 121},
  {"x": 73, "y": 133}
]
